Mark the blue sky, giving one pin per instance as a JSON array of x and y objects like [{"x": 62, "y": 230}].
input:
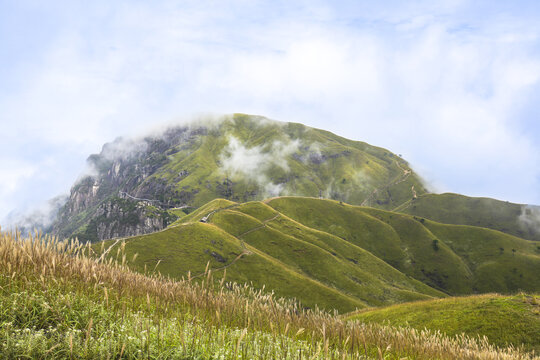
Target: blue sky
[{"x": 453, "y": 86}]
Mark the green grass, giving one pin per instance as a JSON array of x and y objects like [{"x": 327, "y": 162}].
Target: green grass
[
  {"x": 452, "y": 258},
  {"x": 189, "y": 248},
  {"x": 204, "y": 210},
  {"x": 337, "y": 256},
  {"x": 258, "y": 245},
  {"x": 438, "y": 265},
  {"x": 500, "y": 262},
  {"x": 504, "y": 320},
  {"x": 337, "y": 175},
  {"x": 70, "y": 320},
  {"x": 463, "y": 210},
  {"x": 350, "y": 271},
  {"x": 334, "y": 255}
]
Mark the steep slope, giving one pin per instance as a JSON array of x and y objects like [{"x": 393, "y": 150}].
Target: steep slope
[
  {"x": 255, "y": 244},
  {"x": 238, "y": 157},
  {"x": 519, "y": 220},
  {"x": 187, "y": 249},
  {"x": 452, "y": 258},
  {"x": 336, "y": 255},
  {"x": 504, "y": 320}
]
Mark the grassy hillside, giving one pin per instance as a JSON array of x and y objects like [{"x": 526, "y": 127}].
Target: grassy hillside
[
  {"x": 324, "y": 257},
  {"x": 189, "y": 248},
  {"x": 256, "y": 244},
  {"x": 452, "y": 258},
  {"x": 500, "y": 262},
  {"x": 287, "y": 158},
  {"x": 334, "y": 255},
  {"x": 58, "y": 303},
  {"x": 504, "y": 320},
  {"x": 513, "y": 219}
]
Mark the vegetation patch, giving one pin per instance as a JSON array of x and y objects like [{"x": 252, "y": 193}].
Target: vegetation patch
[{"x": 504, "y": 320}]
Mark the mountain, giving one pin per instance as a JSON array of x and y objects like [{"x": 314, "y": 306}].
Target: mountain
[
  {"x": 334, "y": 255},
  {"x": 133, "y": 183}
]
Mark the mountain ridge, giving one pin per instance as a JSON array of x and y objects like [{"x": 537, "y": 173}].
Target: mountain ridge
[{"x": 295, "y": 247}]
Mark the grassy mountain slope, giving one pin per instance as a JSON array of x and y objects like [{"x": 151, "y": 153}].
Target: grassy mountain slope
[
  {"x": 313, "y": 266},
  {"x": 514, "y": 219},
  {"x": 504, "y": 320},
  {"x": 240, "y": 158},
  {"x": 332, "y": 261},
  {"x": 188, "y": 248},
  {"x": 452, "y": 258},
  {"x": 336, "y": 255},
  {"x": 499, "y": 261}
]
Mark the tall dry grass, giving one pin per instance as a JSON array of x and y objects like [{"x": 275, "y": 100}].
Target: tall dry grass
[{"x": 231, "y": 305}]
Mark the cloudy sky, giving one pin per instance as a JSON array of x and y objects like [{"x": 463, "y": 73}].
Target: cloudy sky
[{"x": 453, "y": 86}]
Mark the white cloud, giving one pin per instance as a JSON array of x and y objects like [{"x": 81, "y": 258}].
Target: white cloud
[
  {"x": 253, "y": 163},
  {"x": 438, "y": 83},
  {"x": 11, "y": 176}
]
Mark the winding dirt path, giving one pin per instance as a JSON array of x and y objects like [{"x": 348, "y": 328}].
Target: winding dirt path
[
  {"x": 153, "y": 201},
  {"x": 258, "y": 227},
  {"x": 245, "y": 250}
]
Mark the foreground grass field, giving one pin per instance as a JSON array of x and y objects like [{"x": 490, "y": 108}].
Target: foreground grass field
[
  {"x": 504, "y": 320},
  {"x": 57, "y": 303}
]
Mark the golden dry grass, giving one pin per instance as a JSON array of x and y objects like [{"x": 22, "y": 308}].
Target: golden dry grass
[{"x": 47, "y": 259}]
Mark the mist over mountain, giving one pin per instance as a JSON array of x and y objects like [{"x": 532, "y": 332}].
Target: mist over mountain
[
  {"x": 133, "y": 182},
  {"x": 40, "y": 218}
]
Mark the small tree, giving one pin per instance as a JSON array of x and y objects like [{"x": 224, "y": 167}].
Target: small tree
[{"x": 435, "y": 244}]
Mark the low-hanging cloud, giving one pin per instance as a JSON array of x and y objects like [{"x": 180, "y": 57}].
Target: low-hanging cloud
[
  {"x": 38, "y": 218},
  {"x": 529, "y": 219},
  {"x": 253, "y": 163}
]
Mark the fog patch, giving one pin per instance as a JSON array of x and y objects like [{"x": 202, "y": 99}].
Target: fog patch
[
  {"x": 343, "y": 188},
  {"x": 529, "y": 219},
  {"x": 38, "y": 218},
  {"x": 122, "y": 148},
  {"x": 362, "y": 180},
  {"x": 254, "y": 163},
  {"x": 119, "y": 149}
]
